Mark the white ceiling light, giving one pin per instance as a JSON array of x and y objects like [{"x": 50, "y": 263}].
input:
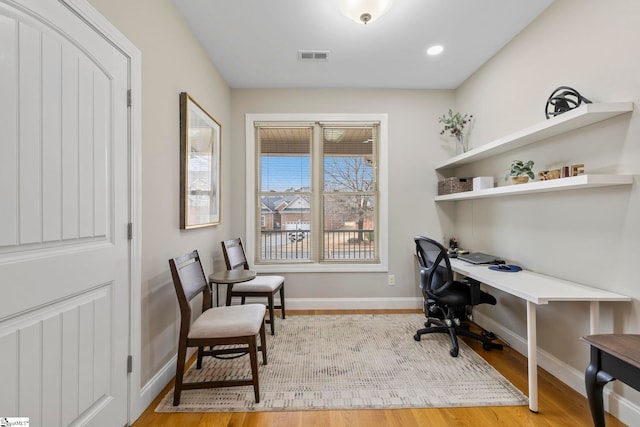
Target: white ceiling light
[
  {"x": 364, "y": 11},
  {"x": 435, "y": 50},
  {"x": 333, "y": 134}
]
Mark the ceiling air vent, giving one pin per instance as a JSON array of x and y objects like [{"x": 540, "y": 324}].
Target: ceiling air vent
[{"x": 313, "y": 55}]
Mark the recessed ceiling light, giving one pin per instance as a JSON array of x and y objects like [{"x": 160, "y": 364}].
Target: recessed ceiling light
[{"x": 435, "y": 50}]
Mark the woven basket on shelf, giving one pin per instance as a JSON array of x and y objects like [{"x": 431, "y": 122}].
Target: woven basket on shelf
[{"x": 454, "y": 185}]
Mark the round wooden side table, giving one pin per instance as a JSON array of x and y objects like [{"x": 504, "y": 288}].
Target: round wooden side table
[{"x": 229, "y": 278}]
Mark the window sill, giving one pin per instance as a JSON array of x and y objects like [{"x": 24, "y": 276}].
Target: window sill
[{"x": 320, "y": 268}]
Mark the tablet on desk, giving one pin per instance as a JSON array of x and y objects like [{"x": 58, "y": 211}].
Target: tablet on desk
[{"x": 478, "y": 258}]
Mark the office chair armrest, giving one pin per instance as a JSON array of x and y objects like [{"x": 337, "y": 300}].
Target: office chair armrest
[{"x": 423, "y": 278}]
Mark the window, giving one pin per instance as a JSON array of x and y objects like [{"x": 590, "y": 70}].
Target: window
[{"x": 316, "y": 192}]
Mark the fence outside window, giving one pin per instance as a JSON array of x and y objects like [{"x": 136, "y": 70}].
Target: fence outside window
[{"x": 354, "y": 245}]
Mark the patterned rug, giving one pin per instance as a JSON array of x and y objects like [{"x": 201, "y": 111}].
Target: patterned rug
[{"x": 351, "y": 362}]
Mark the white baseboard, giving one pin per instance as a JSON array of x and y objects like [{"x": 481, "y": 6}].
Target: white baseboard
[
  {"x": 155, "y": 385},
  {"x": 621, "y": 408},
  {"x": 353, "y": 303}
]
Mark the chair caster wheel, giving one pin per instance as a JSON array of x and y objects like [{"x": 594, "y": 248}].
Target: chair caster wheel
[
  {"x": 453, "y": 352},
  {"x": 416, "y": 337},
  {"x": 489, "y": 335}
]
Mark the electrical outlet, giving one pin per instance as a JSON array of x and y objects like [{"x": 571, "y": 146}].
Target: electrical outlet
[{"x": 391, "y": 281}]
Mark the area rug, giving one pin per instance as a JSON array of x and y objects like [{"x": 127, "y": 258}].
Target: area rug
[{"x": 351, "y": 362}]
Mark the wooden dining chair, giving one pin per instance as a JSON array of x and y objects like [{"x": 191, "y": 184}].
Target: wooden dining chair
[
  {"x": 262, "y": 286},
  {"x": 236, "y": 326}
]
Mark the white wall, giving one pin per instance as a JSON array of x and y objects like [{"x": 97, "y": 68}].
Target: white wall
[
  {"x": 172, "y": 62},
  {"x": 414, "y": 149},
  {"x": 587, "y": 236}
]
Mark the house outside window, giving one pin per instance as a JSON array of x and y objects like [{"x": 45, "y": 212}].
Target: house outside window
[{"x": 316, "y": 196}]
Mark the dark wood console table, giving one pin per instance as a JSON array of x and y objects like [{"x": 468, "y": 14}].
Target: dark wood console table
[{"x": 613, "y": 357}]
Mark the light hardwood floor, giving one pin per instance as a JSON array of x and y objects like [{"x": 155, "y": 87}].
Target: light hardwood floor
[{"x": 559, "y": 405}]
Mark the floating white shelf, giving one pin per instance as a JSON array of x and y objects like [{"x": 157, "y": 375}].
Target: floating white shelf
[
  {"x": 584, "y": 115},
  {"x": 571, "y": 183}
]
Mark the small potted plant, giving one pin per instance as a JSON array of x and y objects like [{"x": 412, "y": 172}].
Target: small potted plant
[
  {"x": 520, "y": 172},
  {"x": 454, "y": 124}
]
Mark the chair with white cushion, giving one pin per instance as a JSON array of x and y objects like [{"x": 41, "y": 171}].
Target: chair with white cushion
[
  {"x": 261, "y": 286},
  {"x": 235, "y": 328}
]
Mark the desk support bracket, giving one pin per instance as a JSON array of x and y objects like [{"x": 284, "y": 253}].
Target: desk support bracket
[{"x": 594, "y": 322}]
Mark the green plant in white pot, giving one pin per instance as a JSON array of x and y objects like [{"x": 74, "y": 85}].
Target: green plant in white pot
[{"x": 520, "y": 172}]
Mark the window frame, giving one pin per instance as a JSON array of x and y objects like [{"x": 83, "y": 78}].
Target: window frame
[{"x": 251, "y": 189}]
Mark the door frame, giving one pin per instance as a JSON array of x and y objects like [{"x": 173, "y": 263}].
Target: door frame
[{"x": 87, "y": 13}]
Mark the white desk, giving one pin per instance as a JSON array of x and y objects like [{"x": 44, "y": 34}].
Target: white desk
[{"x": 537, "y": 289}]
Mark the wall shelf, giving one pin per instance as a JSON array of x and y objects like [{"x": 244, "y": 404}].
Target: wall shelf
[
  {"x": 584, "y": 115},
  {"x": 571, "y": 183}
]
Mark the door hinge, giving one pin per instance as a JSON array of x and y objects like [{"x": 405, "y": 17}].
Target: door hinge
[
  {"x": 129, "y": 364},
  {"x": 129, "y": 98},
  {"x": 130, "y": 231}
]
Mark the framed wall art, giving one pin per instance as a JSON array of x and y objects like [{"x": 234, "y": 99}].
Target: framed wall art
[{"x": 200, "y": 137}]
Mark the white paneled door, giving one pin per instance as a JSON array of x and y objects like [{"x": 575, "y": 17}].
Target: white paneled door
[{"x": 64, "y": 195}]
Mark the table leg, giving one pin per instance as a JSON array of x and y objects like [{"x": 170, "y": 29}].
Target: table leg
[
  {"x": 229, "y": 288},
  {"x": 211, "y": 289},
  {"x": 595, "y": 380},
  {"x": 532, "y": 356}
]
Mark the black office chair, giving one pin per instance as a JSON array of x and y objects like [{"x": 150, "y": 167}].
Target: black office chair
[{"x": 447, "y": 302}]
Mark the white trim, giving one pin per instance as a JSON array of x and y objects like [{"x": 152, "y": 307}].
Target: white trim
[
  {"x": 376, "y": 303},
  {"x": 316, "y": 267},
  {"x": 87, "y": 12},
  {"x": 136, "y": 405},
  {"x": 621, "y": 408},
  {"x": 157, "y": 383},
  {"x": 383, "y": 188}
]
